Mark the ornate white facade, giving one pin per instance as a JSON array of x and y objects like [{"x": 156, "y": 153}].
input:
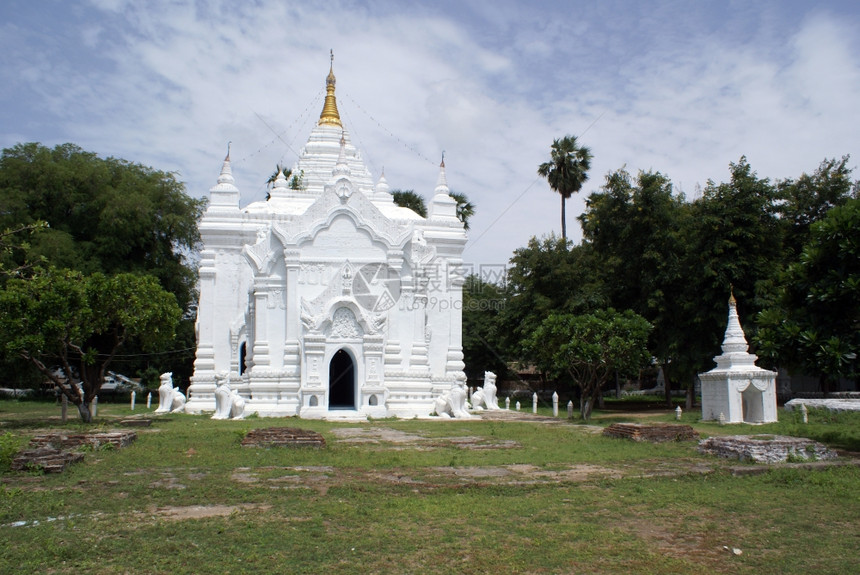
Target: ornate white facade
[{"x": 328, "y": 300}]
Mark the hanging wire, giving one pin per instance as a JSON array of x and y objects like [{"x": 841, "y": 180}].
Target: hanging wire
[
  {"x": 354, "y": 135},
  {"x": 389, "y": 132},
  {"x": 279, "y": 136}
]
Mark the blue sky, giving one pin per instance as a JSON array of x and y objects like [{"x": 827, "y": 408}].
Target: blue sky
[{"x": 682, "y": 88}]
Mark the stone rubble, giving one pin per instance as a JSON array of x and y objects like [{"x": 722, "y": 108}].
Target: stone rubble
[
  {"x": 283, "y": 437},
  {"x": 95, "y": 440},
  {"x": 651, "y": 432},
  {"x": 48, "y": 459},
  {"x": 833, "y": 404},
  {"x": 765, "y": 448}
]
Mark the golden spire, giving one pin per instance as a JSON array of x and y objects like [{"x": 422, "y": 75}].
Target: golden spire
[{"x": 329, "y": 112}]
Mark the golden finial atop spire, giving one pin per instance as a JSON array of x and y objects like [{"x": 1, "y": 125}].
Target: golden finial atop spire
[
  {"x": 732, "y": 300},
  {"x": 330, "y": 114}
]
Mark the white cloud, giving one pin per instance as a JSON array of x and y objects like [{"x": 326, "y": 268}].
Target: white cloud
[{"x": 680, "y": 89}]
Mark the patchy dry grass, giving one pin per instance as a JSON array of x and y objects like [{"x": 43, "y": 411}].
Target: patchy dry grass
[{"x": 504, "y": 496}]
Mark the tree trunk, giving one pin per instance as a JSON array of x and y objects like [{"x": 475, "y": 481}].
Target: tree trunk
[
  {"x": 584, "y": 408},
  {"x": 589, "y": 398},
  {"x": 86, "y": 414},
  {"x": 563, "y": 222},
  {"x": 667, "y": 387}
]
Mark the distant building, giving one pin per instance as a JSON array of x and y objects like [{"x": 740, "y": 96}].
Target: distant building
[{"x": 327, "y": 299}]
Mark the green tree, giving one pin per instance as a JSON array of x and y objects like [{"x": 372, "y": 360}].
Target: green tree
[
  {"x": 14, "y": 245},
  {"x": 546, "y": 277},
  {"x": 102, "y": 215},
  {"x": 409, "y": 199},
  {"x": 733, "y": 241},
  {"x": 815, "y": 325},
  {"x": 79, "y": 323},
  {"x": 591, "y": 349},
  {"x": 566, "y": 171},
  {"x": 109, "y": 216},
  {"x": 636, "y": 229},
  {"x": 809, "y": 198},
  {"x": 483, "y": 344}
]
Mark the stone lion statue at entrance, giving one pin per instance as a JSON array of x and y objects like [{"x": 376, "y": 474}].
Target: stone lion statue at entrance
[
  {"x": 452, "y": 403},
  {"x": 228, "y": 403},
  {"x": 169, "y": 398},
  {"x": 485, "y": 397}
]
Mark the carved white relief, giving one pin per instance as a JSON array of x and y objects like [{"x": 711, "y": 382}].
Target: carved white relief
[
  {"x": 377, "y": 323},
  {"x": 344, "y": 326},
  {"x": 343, "y": 191},
  {"x": 275, "y": 299},
  {"x": 310, "y": 314},
  {"x": 313, "y": 274},
  {"x": 422, "y": 252}
]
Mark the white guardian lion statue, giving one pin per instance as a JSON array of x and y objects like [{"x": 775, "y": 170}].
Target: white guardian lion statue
[
  {"x": 170, "y": 399},
  {"x": 485, "y": 397},
  {"x": 452, "y": 403},
  {"x": 228, "y": 403}
]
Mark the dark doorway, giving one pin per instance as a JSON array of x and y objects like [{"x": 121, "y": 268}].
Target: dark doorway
[
  {"x": 341, "y": 381},
  {"x": 243, "y": 353}
]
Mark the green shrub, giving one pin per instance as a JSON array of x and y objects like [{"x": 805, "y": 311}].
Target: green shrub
[{"x": 9, "y": 446}]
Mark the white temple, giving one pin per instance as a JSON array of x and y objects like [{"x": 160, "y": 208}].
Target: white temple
[
  {"x": 737, "y": 388},
  {"x": 328, "y": 300}
]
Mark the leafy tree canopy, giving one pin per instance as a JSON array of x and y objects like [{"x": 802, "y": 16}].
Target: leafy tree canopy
[
  {"x": 815, "y": 324},
  {"x": 483, "y": 344},
  {"x": 810, "y": 197},
  {"x": 544, "y": 277},
  {"x": 102, "y": 215},
  {"x": 591, "y": 348},
  {"x": 79, "y": 322}
]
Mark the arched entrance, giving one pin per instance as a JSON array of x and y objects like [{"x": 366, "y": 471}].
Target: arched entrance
[
  {"x": 752, "y": 401},
  {"x": 341, "y": 381}
]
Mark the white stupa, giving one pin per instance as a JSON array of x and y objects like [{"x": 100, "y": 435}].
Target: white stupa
[
  {"x": 737, "y": 388},
  {"x": 328, "y": 300}
]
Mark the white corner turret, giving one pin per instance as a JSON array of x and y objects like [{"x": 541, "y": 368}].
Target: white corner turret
[
  {"x": 224, "y": 195},
  {"x": 443, "y": 208}
]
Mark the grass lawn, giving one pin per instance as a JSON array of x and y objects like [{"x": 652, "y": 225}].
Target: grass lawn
[{"x": 390, "y": 496}]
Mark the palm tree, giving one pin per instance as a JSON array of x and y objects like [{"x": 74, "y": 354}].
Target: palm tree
[
  {"x": 465, "y": 208},
  {"x": 278, "y": 169},
  {"x": 566, "y": 171},
  {"x": 409, "y": 199}
]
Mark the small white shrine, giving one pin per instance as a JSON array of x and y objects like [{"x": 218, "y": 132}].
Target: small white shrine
[
  {"x": 328, "y": 300},
  {"x": 737, "y": 388}
]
